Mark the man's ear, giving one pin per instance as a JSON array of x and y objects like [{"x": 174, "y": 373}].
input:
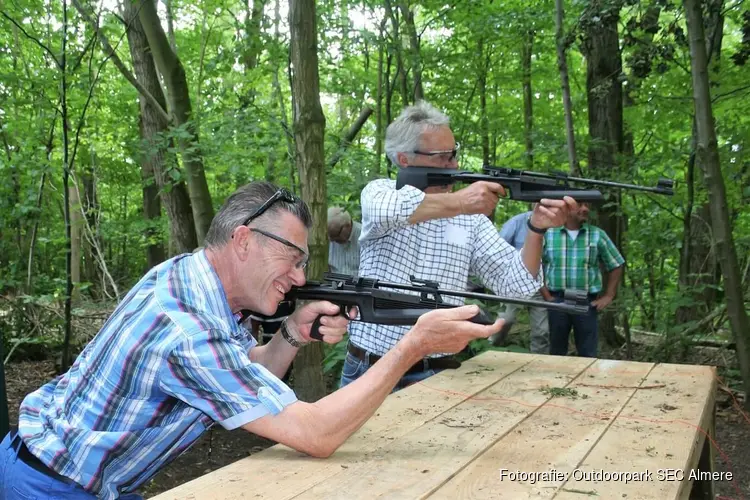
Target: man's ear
[
  {"x": 403, "y": 159},
  {"x": 241, "y": 241}
]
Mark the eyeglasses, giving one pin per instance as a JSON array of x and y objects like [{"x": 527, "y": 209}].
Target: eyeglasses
[
  {"x": 299, "y": 265},
  {"x": 447, "y": 155},
  {"x": 280, "y": 195}
]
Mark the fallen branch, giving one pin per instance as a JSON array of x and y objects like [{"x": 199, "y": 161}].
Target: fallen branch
[{"x": 350, "y": 135}]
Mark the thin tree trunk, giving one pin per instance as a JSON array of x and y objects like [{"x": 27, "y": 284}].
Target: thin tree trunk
[
  {"x": 171, "y": 68},
  {"x": 309, "y": 130},
  {"x": 562, "y": 64},
  {"x": 484, "y": 123},
  {"x": 65, "y": 362},
  {"x": 91, "y": 241},
  {"x": 708, "y": 153},
  {"x": 174, "y": 194},
  {"x": 396, "y": 46},
  {"x": 76, "y": 220},
  {"x": 170, "y": 25},
  {"x": 379, "y": 132},
  {"x": 253, "y": 45},
  {"x": 279, "y": 98},
  {"x": 416, "y": 63},
  {"x": 526, "y": 50}
]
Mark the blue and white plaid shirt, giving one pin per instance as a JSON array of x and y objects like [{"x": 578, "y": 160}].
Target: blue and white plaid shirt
[
  {"x": 169, "y": 363},
  {"x": 446, "y": 250}
]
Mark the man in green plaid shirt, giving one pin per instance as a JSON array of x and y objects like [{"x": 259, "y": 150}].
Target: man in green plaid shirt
[{"x": 571, "y": 258}]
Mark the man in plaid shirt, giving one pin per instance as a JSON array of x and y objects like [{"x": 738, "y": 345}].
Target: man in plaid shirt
[
  {"x": 437, "y": 235},
  {"x": 571, "y": 258},
  {"x": 172, "y": 361}
]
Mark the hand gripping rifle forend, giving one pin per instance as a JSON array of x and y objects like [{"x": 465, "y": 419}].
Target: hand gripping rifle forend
[
  {"x": 386, "y": 307},
  {"x": 522, "y": 185}
]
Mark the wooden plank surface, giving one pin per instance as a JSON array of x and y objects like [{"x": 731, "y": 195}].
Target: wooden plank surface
[
  {"x": 659, "y": 429},
  {"x": 450, "y": 436},
  {"x": 554, "y": 439},
  {"x": 422, "y": 460},
  {"x": 280, "y": 472}
]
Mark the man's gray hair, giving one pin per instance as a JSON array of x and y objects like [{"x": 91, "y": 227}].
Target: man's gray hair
[
  {"x": 246, "y": 200},
  {"x": 402, "y": 136},
  {"x": 338, "y": 217}
]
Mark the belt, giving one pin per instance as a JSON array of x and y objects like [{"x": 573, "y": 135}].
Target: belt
[
  {"x": 32, "y": 461},
  {"x": 443, "y": 363}
]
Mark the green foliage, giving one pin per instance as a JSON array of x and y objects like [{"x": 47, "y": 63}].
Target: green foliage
[{"x": 244, "y": 119}]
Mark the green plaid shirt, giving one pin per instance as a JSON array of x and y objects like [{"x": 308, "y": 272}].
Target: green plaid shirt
[{"x": 574, "y": 264}]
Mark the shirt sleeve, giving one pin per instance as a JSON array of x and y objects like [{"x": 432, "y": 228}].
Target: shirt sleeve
[
  {"x": 499, "y": 265},
  {"x": 385, "y": 208},
  {"x": 212, "y": 372},
  {"x": 608, "y": 253}
]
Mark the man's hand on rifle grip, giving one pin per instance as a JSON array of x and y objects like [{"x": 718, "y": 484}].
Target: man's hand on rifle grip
[{"x": 323, "y": 321}]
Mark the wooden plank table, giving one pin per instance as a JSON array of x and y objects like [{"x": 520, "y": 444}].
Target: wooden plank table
[{"x": 507, "y": 425}]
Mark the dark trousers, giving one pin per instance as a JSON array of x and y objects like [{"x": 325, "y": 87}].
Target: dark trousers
[{"x": 585, "y": 330}]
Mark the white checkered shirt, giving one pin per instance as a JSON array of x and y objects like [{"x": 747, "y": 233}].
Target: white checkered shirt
[{"x": 442, "y": 250}]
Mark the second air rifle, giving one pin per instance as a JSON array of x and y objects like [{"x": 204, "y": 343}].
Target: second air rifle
[
  {"x": 387, "y": 307},
  {"x": 523, "y": 185}
]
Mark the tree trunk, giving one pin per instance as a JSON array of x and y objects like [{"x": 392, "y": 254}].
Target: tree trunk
[
  {"x": 416, "y": 64},
  {"x": 379, "y": 132},
  {"x": 92, "y": 241},
  {"x": 170, "y": 67},
  {"x": 699, "y": 271},
  {"x": 76, "y": 221},
  {"x": 484, "y": 123},
  {"x": 398, "y": 51},
  {"x": 708, "y": 155},
  {"x": 173, "y": 193},
  {"x": 309, "y": 130},
  {"x": 526, "y": 50},
  {"x": 67, "y": 326},
  {"x": 604, "y": 92},
  {"x": 562, "y": 65},
  {"x": 151, "y": 211},
  {"x": 253, "y": 45}
]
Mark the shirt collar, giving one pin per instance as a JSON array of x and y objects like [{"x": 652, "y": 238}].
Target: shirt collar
[{"x": 210, "y": 281}]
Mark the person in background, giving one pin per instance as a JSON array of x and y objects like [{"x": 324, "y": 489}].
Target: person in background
[
  {"x": 343, "y": 247},
  {"x": 571, "y": 259},
  {"x": 514, "y": 232}
]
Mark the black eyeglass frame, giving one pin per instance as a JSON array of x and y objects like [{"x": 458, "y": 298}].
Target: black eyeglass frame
[
  {"x": 453, "y": 152},
  {"x": 299, "y": 265}
]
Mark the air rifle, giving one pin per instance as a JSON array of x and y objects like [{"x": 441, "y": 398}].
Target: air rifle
[
  {"x": 385, "y": 307},
  {"x": 523, "y": 185}
]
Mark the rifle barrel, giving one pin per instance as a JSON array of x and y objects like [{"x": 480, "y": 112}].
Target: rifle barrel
[{"x": 580, "y": 306}]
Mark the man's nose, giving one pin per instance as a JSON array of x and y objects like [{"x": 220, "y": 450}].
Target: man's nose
[{"x": 297, "y": 276}]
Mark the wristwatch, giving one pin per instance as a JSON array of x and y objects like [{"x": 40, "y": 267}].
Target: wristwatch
[{"x": 533, "y": 228}]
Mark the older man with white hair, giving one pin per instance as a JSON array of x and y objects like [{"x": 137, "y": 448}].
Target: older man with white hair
[
  {"x": 437, "y": 235},
  {"x": 343, "y": 235}
]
